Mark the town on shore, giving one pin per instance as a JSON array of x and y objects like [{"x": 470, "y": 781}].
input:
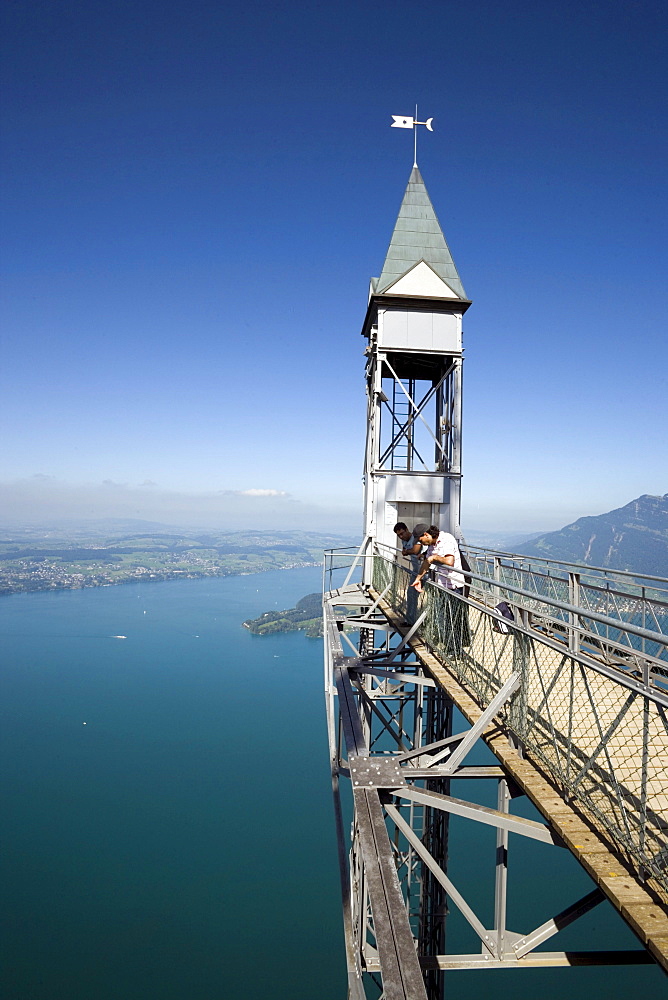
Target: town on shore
[{"x": 65, "y": 559}]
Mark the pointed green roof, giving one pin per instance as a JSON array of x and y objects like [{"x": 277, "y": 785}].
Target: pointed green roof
[{"x": 418, "y": 236}]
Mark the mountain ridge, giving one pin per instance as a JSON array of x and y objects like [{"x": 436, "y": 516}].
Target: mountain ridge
[{"x": 633, "y": 537}]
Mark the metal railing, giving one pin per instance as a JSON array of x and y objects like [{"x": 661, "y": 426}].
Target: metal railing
[
  {"x": 598, "y": 726},
  {"x": 630, "y": 598},
  {"x": 629, "y": 577}
]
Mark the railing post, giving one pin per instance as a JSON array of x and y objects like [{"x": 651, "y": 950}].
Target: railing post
[
  {"x": 573, "y": 619},
  {"x": 519, "y": 704},
  {"x": 643, "y": 776},
  {"x": 497, "y": 577}
]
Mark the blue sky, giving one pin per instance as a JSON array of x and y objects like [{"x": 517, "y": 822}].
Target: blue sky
[{"x": 195, "y": 197}]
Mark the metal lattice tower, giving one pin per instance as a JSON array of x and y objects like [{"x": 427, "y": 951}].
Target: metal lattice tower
[
  {"x": 569, "y": 694},
  {"x": 414, "y": 376}
]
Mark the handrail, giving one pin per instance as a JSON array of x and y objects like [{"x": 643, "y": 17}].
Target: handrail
[
  {"x": 590, "y": 583},
  {"x": 566, "y": 562},
  {"x": 617, "y": 623}
]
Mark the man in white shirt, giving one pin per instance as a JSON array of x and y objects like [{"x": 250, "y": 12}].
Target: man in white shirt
[{"x": 442, "y": 555}]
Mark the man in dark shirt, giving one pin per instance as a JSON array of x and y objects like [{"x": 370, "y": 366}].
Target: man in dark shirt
[{"x": 412, "y": 547}]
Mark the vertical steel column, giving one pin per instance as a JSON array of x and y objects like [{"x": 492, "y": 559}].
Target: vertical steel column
[
  {"x": 413, "y": 810},
  {"x": 410, "y": 425},
  {"x": 501, "y": 880},
  {"x": 456, "y": 432},
  {"x": 374, "y": 401},
  {"x": 436, "y": 828},
  {"x": 442, "y": 454}
]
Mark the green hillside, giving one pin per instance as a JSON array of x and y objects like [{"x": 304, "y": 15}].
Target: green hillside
[
  {"x": 634, "y": 537},
  {"x": 307, "y": 615}
]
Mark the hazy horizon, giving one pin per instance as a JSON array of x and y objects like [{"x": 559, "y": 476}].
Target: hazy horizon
[{"x": 45, "y": 502}]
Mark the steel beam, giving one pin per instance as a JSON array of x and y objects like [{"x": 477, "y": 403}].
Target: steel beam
[
  {"x": 393, "y": 676},
  {"x": 555, "y": 924},
  {"x": 399, "y": 966},
  {"x": 481, "y": 814},
  {"x": 535, "y": 960}
]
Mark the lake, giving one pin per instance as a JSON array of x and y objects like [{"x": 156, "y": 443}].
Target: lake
[
  {"x": 168, "y": 829},
  {"x": 180, "y": 844}
]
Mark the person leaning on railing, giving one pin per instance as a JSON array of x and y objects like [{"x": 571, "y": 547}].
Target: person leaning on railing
[
  {"x": 412, "y": 546},
  {"x": 444, "y": 557},
  {"x": 411, "y": 549}
]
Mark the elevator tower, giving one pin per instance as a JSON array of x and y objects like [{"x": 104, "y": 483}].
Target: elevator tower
[{"x": 413, "y": 326}]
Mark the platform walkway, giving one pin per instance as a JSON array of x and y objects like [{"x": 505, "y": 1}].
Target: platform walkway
[
  {"x": 601, "y": 732},
  {"x": 585, "y": 737}
]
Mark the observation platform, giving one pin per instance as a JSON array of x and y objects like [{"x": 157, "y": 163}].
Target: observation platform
[{"x": 571, "y": 696}]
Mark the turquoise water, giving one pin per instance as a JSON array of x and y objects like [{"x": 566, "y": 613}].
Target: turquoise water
[{"x": 181, "y": 843}]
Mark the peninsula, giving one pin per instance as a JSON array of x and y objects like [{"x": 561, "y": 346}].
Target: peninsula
[{"x": 306, "y": 616}]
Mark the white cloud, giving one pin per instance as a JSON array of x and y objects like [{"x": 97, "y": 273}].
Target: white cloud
[{"x": 262, "y": 493}]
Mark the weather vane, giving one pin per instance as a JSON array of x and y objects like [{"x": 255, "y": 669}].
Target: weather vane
[{"x": 401, "y": 121}]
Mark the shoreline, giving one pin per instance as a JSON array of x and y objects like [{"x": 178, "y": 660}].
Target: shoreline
[{"x": 149, "y": 578}]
